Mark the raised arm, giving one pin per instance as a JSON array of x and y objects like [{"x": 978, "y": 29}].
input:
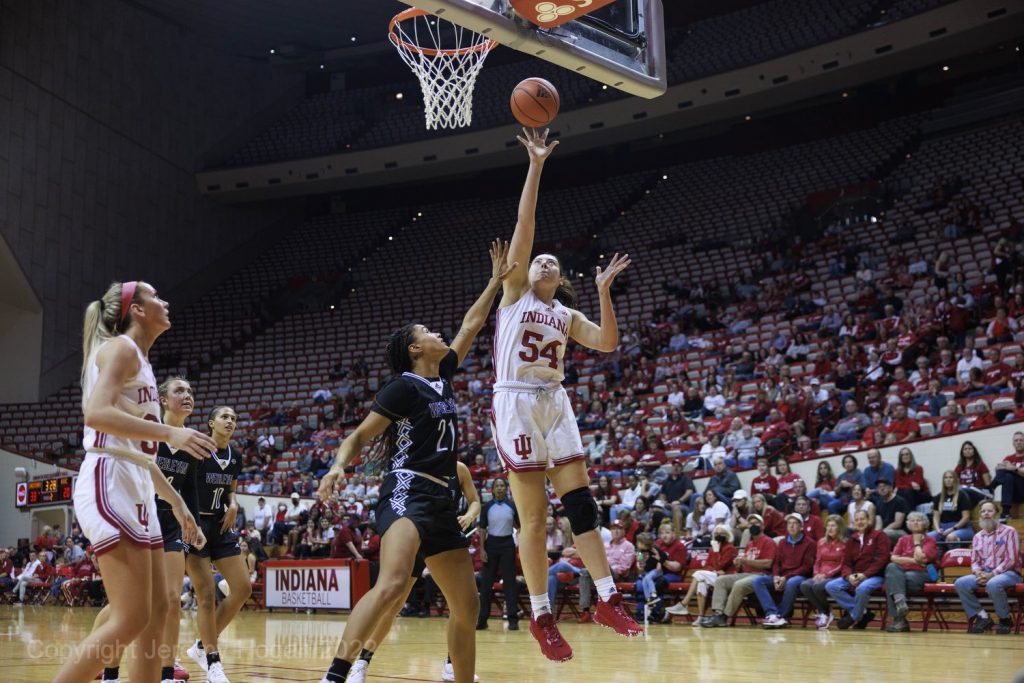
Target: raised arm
[
  {"x": 370, "y": 428},
  {"x": 606, "y": 336},
  {"x": 477, "y": 314},
  {"x": 522, "y": 239}
]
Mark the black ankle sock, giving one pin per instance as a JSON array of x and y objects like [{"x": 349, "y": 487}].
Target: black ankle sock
[
  {"x": 167, "y": 673},
  {"x": 199, "y": 644},
  {"x": 212, "y": 658},
  {"x": 448, "y": 659},
  {"x": 366, "y": 656},
  {"x": 111, "y": 673},
  {"x": 338, "y": 671}
]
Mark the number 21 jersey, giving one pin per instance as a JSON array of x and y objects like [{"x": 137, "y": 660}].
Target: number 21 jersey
[{"x": 529, "y": 341}]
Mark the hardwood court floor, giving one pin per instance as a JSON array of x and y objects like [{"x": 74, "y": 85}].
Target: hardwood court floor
[{"x": 281, "y": 647}]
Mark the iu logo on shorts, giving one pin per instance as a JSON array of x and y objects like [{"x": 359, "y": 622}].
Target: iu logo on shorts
[
  {"x": 143, "y": 513},
  {"x": 524, "y": 445}
]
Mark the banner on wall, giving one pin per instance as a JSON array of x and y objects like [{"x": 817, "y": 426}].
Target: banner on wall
[{"x": 308, "y": 584}]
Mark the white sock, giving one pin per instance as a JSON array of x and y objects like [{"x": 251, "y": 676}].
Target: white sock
[
  {"x": 605, "y": 588},
  {"x": 540, "y": 604},
  {"x": 983, "y": 614}
]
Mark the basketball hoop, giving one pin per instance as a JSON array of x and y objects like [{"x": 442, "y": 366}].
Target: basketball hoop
[{"x": 446, "y": 59}]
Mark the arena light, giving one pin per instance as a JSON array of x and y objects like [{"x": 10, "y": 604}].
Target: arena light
[
  {"x": 399, "y": 96},
  {"x": 945, "y": 68},
  {"x": 272, "y": 51}
]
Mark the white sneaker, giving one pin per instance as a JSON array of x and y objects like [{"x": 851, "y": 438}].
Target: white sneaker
[
  {"x": 448, "y": 673},
  {"x": 357, "y": 674},
  {"x": 215, "y": 674},
  {"x": 826, "y": 622},
  {"x": 167, "y": 680},
  {"x": 773, "y": 621},
  {"x": 197, "y": 654},
  {"x": 678, "y": 609}
]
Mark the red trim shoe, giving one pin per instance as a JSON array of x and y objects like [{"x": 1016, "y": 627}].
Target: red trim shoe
[
  {"x": 612, "y": 615},
  {"x": 586, "y": 617},
  {"x": 551, "y": 642},
  {"x": 180, "y": 674}
]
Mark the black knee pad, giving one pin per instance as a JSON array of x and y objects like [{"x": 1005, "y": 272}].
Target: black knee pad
[{"x": 581, "y": 509}]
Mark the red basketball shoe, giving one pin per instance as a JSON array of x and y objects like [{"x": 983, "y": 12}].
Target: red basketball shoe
[
  {"x": 180, "y": 674},
  {"x": 612, "y": 615},
  {"x": 552, "y": 644}
]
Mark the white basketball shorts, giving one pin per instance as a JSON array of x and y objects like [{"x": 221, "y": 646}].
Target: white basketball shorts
[
  {"x": 534, "y": 429},
  {"x": 114, "y": 501}
]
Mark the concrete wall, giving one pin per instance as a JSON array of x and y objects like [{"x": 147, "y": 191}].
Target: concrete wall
[{"x": 105, "y": 113}]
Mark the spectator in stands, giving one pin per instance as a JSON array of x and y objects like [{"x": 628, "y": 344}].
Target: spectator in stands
[
  {"x": 951, "y": 512},
  {"x": 621, "y": 553},
  {"x": 670, "y": 558},
  {"x": 910, "y": 483},
  {"x": 793, "y": 564},
  {"x": 73, "y": 553},
  {"x": 908, "y": 569},
  {"x": 773, "y": 525},
  {"x": 955, "y": 421},
  {"x": 811, "y": 516},
  {"x": 694, "y": 522},
  {"x": 595, "y": 449},
  {"x": 828, "y": 565},
  {"x": 719, "y": 561},
  {"x": 295, "y": 514},
  {"x": 984, "y": 416},
  {"x": 713, "y": 401},
  {"x": 748, "y": 449},
  {"x": 730, "y": 589},
  {"x": 995, "y": 566},
  {"x": 34, "y": 574},
  {"x": 864, "y": 560},
  {"x": 256, "y": 486},
  {"x": 875, "y": 470},
  {"x": 905, "y": 428},
  {"x": 606, "y": 497},
  {"x": 824, "y": 491},
  {"x": 848, "y": 428},
  {"x": 765, "y": 482},
  {"x": 892, "y": 511},
  {"x": 347, "y": 540},
  {"x": 262, "y": 518},
  {"x": 997, "y": 375},
  {"x": 859, "y": 501},
  {"x": 677, "y": 487},
  {"x": 1010, "y": 476},
  {"x": 786, "y": 478},
  {"x": 711, "y": 451},
  {"x": 723, "y": 482},
  {"x": 559, "y": 574},
  {"x": 973, "y": 474},
  {"x": 6, "y": 571},
  {"x": 968, "y": 361}
]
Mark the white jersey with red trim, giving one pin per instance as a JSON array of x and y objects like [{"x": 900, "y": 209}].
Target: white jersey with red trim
[
  {"x": 138, "y": 398},
  {"x": 529, "y": 341}
]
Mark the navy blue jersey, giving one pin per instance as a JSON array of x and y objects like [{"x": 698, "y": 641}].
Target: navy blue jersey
[
  {"x": 180, "y": 469},
  {"x": 425, "y": 427},
  {"x": 217, "y": 475}
]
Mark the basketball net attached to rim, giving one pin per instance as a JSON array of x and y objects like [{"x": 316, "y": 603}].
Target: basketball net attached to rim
[{"x": 446, "y": 59}]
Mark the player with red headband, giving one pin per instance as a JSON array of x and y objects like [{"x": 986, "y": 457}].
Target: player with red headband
[{"x": 114, "y": 495}]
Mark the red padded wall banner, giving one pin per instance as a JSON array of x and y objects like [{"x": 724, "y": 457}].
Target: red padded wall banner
[{"x": 551, "y": 13}]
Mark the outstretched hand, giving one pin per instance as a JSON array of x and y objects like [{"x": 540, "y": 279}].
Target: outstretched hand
[
  {"x": 535, "y": 143},
  {"x": 604, "y": 278},
  {"x": 500, "y": 267}
]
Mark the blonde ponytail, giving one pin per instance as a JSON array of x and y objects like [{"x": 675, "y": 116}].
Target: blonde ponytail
[{"x": 103, "y": 321}]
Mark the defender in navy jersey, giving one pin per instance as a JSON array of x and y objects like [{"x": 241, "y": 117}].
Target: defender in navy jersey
[
  {"x": 216, "y": 480},
  {"x": 416, "y": 413}
]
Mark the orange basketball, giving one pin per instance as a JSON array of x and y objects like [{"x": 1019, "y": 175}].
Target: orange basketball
[{"x": 535, "y": 103}]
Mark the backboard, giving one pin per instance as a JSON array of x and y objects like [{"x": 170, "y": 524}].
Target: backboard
[{"x": 621, "y": 44}]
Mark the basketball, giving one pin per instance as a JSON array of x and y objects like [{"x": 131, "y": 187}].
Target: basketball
[{"x": 535, "y": 103}]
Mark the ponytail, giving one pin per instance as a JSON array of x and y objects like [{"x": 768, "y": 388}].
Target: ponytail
[
  {"x": 105, "y": 320},
  {"x": 566, "y": 294},
  {"x": 396, "y": 352}
]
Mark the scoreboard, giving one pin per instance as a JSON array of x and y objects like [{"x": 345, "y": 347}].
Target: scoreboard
[{"x": 49, "y": 491}]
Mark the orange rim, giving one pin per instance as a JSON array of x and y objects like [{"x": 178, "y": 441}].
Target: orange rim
[{"x": 413, "y": 13}]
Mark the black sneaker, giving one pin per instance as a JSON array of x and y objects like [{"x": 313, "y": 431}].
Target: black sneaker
[
  {"x": 845, "y": 622},
  {"x": 513, "y": 626},
  {"x": 718, "y": 620},
  {"x": 863, "y": 622},
  {"x": 981, "y": 625},
  {"x": 1004, "y": 627},
  {"x": 481, "y": 626}
]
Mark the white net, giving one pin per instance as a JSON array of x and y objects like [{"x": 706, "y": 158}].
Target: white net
[{"x": 446, "y": 59}]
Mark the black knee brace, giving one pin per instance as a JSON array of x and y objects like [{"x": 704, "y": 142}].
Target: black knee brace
[{"x": 581, "y": 509}]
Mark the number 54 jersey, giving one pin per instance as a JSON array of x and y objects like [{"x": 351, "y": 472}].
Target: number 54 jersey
[
  {"x": 529, "y": 341},
  {"x": 533, "y": 422}
]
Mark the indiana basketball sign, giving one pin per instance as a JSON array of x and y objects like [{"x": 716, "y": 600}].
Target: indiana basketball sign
[
  {"x": 551, "y": 14},
  {"x": 309, "y": 585}
]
